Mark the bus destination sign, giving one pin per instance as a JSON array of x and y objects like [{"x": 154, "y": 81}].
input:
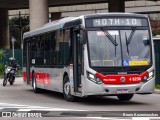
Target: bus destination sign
[
  {"x": 117, "y": 22},
  {"x": 114, "y": 21}
]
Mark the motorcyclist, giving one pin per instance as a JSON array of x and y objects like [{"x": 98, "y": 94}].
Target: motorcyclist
[
  {"x": 12, "y": 63},
  {"x": 10, "y": 71}
]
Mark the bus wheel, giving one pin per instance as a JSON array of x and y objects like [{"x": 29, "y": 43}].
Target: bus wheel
[
  {"x": 125, "y": 97},
  {"x": 34, "y": 85},
  {"x": 66, "y": 90}
]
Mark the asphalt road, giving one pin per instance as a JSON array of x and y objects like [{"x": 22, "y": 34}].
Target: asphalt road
[{"x": 20, "y": 97}]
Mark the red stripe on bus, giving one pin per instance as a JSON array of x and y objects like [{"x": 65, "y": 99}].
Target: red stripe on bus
[
  {"x": 24, "y": 76},
  {"x": 122, "y": 79},
  {"x": 46, "y": 78},
  {"x": 40, "y": 77}
]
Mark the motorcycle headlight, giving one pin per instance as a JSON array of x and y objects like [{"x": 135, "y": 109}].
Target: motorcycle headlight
[
  {"x": 7, "y": 70},
  {"x": 94, "y": 78}
]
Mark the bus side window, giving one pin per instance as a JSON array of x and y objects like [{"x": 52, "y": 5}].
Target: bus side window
[
  {"x": 47, "y": 49},
  {"x": 58, "y": 40},
  {"x": 40, "y": 50},
  {"x": 33, "y": 51},
  {"x": 52, "y": 48},
  {"x": 24, "y": 52},
  {"x": 66, "y": 46},
  {"x": 71, "y": 54}
]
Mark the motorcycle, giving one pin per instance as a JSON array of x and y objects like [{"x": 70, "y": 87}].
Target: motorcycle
[{"x": 9, "y": 75}]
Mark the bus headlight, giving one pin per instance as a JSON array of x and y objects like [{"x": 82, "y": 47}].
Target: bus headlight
[
  {"x": 94, "y": 78},
  {"x": 91, "y": 76},
  {"x": 149, "y": 76}
]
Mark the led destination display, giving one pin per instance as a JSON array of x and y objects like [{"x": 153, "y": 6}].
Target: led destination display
[{"x": 99, "y": 22}]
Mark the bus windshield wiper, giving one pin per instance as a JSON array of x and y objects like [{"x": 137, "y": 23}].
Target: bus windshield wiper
[
  {"x": 128, "y": 40},
  {"x": 113, "y": 41},
  {"x": 109, "y": 36},
  {"x": 131, "y": 36},
  {"x": 115, "y": 46},
  {"x": 127, "y": 43}
]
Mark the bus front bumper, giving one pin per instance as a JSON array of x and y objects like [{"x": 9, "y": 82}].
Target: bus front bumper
[{"x": 91, "y": 88}]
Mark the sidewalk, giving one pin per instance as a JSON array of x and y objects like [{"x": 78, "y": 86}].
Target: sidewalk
[{"x": 157, "y": 91}]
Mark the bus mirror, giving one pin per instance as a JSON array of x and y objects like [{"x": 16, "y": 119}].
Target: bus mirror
[{"x": 83, "y": 37}]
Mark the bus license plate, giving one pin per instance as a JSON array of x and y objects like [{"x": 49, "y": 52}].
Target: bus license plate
[{"x": 122, "y": 91}]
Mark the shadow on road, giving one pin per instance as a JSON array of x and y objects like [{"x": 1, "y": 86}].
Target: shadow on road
[
  {"x": 107, "y": 100},
  {"x": 49, "y": 94},
  {"x": 91, "y": 100},
  {"x": 10, "y": 86}
]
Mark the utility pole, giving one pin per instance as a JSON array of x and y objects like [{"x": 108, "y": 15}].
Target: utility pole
[
  {"x": 13, "y": 40},
  {"x": 20, "y": 30}
]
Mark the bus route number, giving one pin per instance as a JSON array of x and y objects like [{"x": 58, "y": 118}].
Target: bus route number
[{"x": 117, "y": 22}]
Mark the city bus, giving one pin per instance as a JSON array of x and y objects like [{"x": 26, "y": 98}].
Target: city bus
[{"x": 91, "y": 55}]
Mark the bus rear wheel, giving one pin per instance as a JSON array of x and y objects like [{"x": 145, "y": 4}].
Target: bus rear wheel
[
  {"x": 66, "y": 90},
  {"x": 125, "y": 97},
  {"x": 34, "y": 85}
]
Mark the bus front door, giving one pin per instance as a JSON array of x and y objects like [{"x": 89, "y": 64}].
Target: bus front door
[
  {"x": 77, "y": 60},
  {"x": 28, "y": 61}
]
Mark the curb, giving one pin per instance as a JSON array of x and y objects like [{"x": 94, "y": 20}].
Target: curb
[{"x": 157, "y": 91}]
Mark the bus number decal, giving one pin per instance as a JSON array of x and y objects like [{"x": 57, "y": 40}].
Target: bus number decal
[{"x": 135, "y": 79}]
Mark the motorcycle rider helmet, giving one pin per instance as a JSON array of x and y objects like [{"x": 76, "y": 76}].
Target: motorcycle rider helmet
[{"x": 11, "y": 60}]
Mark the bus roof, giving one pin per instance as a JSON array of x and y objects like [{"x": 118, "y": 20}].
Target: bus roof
[
  {"x": 59, "y": 24},
  {"x": 114, "y": 14}
]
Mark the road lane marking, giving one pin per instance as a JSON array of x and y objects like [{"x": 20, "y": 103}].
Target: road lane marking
[
  {"x": 107, "y": 118},
  {"x": 29, "y": 107}
]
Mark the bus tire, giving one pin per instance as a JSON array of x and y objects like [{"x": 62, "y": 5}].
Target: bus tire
[
  {"x": 125, "y": 97},
  {"x": 34, "y": 84},
  {"x": 66, "y": 90}
]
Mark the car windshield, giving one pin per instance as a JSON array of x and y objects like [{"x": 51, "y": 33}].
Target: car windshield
[{"x": 119, "y": 47}]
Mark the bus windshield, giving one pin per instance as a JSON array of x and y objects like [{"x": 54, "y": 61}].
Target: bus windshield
[{"x": 108, "y": 48}]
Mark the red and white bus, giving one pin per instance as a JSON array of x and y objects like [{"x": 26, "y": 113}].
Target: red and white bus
[{"x": 98, "y": 54}]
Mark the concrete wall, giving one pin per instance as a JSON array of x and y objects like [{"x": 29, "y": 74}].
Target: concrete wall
[
  {"x": 39, "y": 13},
  {"x": 131, "y": 6},
  {"x": 4, "y": 29}
]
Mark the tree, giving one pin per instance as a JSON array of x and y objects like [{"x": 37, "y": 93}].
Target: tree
[
  {"x": 2, "y": 54},
  {"x": 16, "y": 26}
]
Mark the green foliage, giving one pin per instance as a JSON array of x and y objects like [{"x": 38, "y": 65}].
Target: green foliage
[
  {"x": 1, "y": 69},
  {"x": 2, "y": 54},
  {"x": 19, "y": 73},
  {"x": 157, "y": 86},
  {"x": 18, "y": 26},
  {"x": 156, "y": 32}
]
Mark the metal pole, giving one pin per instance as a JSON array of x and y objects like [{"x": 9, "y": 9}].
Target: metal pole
[
  {"x": 20, "y": 30},
  {"x": 13, "y": 49},
  {"x": 13, "y": 40}
]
